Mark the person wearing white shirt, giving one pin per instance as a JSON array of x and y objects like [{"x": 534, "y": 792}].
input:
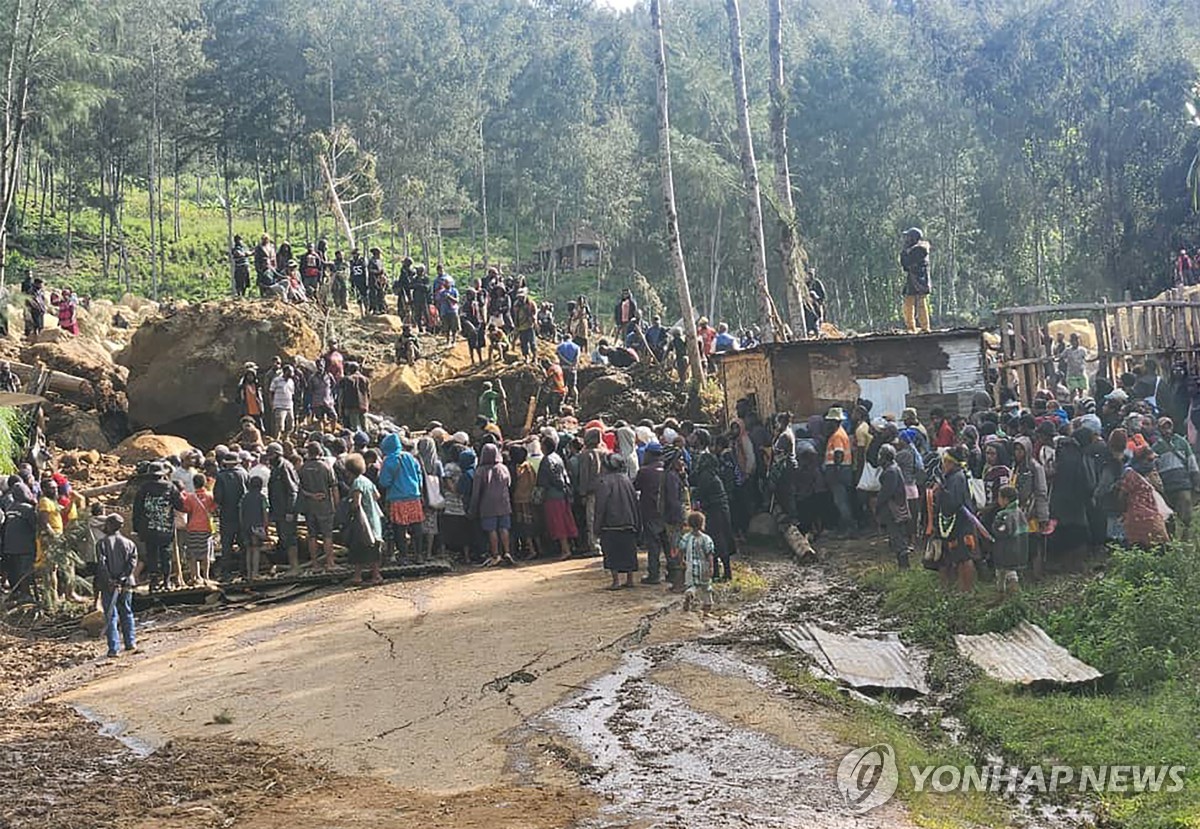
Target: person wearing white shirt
[{"x": 283, "y": 393}]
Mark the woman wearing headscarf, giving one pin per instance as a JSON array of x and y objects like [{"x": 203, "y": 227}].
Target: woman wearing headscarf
[
  {"x": 1071, "y": 494},
  {"x": 524, "y": 482},
  {"x": 912, "y": 472},
  {"x": 1029, "y": 479},
  {"x": 970, "y": 438},
  {"x": 617, "y": 521},
  {"x": 996, "y": 474},
  {"x": 808, "y": 486},
  {"x": 1145, "y": 526},
  {"x": 433, "y": 470},
  {"x": 891, "y": 506},
  {"x": 470, "y": 539},
  {"x": 555, "y": 487},
  {"x": 491, "y": 504},
  {"x": 952, "y": 524},
  {"x": 627, "y": 448},
  {"x": 1108, "y": 482}
]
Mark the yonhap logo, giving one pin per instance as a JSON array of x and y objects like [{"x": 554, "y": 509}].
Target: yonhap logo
[{"x": 867, "y": 777}]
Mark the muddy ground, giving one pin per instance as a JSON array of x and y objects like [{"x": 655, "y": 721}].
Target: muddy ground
[{"x": 515, "y": 698}]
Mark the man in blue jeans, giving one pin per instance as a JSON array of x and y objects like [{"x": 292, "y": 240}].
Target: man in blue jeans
[
  {"x": 116, "y": 560},
  {"x": 568, "y": 352}
]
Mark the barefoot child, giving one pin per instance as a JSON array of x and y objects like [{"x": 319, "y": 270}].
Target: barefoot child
[
  {"x": 697, "y": 551},
  {"x": 1011, "y": 528}
]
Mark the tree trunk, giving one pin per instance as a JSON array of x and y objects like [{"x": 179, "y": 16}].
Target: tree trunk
[
  {"x": 105, "y": 229},
  {"x": 715, "y": 264},
  {"x": 335, "y": 202},
  {"x": 151, "y": 178},
  {"x": 175, "y": 216},
  {"x": 258, "y": 181},
  {"x": 483, "y": 192},
  {"x": 69, "y": 203},
  {"x": 790, "y": 250},
  {"x": 758, "y": 253},
  {"x": 672, "y": 215},
  {"x": 287, "y": 197},
  {"x": 43, "y": 188},
  {"x": 225, "y": 176},
  {"x": 162, "y": 236}
]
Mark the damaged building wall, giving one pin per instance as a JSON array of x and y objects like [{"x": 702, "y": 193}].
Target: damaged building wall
[{"x": 943, "y": 369}]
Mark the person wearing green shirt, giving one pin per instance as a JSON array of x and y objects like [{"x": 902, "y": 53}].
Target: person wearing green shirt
[{"x": 489, "y": 402}]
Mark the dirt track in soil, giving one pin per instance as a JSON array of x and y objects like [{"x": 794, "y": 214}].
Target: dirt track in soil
[{"x": 515, "y": 698}]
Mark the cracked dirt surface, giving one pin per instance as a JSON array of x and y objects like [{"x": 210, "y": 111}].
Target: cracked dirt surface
[{"x": 417, "y": 682}]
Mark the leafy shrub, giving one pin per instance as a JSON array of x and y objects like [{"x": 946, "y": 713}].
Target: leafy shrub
[{"x": 1139, "y": 620}]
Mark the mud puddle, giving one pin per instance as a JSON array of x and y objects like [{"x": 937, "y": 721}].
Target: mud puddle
[{"x": 659, "y": 762}]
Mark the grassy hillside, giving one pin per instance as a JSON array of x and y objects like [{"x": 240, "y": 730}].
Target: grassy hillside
[{"x": 196, "y": 266}]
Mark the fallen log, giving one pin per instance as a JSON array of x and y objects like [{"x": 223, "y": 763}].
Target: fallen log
[
  {"x": 107, "y": 489},
  {"x": 797, "y": 542},
  {"x": 59, "y": 382}
]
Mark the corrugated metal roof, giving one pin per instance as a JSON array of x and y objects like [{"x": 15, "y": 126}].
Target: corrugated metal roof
[
  {"x": 1025, "y": 655},
  {"x": 857, "y": 661}
]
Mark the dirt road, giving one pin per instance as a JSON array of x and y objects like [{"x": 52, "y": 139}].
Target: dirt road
[{"x": 512, "y": 698}]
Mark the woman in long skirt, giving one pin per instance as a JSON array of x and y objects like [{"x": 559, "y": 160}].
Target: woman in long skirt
[{"x": 617, "y": 521}]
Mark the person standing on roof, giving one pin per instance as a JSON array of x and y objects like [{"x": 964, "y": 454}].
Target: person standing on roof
[{"x": 914, "y": 259}]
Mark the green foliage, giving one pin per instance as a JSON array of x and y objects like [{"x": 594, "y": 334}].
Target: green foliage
[
  {"x": 12, "y": 439},
  {"x": 1139, "y": 620},
  {"x": 932, "y": 615},
  {"x": 1136, "y": 621},
  {"x": 1039, "y": 144},
  {"x": 1127, "y": 728}
]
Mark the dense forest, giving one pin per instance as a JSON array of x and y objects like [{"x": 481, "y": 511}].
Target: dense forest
[{"x": 1043, "y": 145}]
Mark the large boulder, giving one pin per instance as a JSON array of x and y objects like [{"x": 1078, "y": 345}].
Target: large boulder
[
  {"x": 393, "y": 386},
  {"x": 384, "y": 323},
  {"x": 596, "y": 394},
  {"x": 184, "y": 369},
  {"x": 147, "y": 446}
]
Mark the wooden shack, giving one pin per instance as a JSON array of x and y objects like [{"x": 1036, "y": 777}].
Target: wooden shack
[
  {"x": 568, "y": 250},
  {"x": 1165, "y": 329},
  {"x": 941, "y": 369}
]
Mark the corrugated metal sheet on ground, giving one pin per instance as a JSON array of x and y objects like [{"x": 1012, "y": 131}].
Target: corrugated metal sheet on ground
[
  {"x": 1025, "y": 655},
  {"x": 857, "y": 661}
]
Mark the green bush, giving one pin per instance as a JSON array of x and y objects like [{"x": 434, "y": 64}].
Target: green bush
[{"x": 1140, "y": 619}]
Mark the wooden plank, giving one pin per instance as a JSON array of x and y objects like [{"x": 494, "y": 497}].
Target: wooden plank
[{"x": 1095, "y": 306}]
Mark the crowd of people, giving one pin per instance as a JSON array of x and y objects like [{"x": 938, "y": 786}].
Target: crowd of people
[
  {"x": 1004, "y": 487},
  {"x": 1012, "y": 488},
  {"x": 495, "y": 315}
]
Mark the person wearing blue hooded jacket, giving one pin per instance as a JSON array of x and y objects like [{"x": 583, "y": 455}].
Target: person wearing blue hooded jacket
[{"x": 402, "y": 483}]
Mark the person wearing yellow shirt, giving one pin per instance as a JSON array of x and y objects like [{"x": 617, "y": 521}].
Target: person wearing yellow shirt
[
  {"x": 839, "y": 469},
  {"x": 50, "y": 548}
]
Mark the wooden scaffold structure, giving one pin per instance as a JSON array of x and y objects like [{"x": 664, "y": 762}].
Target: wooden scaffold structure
[{"x": 1166, "y": 329}]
